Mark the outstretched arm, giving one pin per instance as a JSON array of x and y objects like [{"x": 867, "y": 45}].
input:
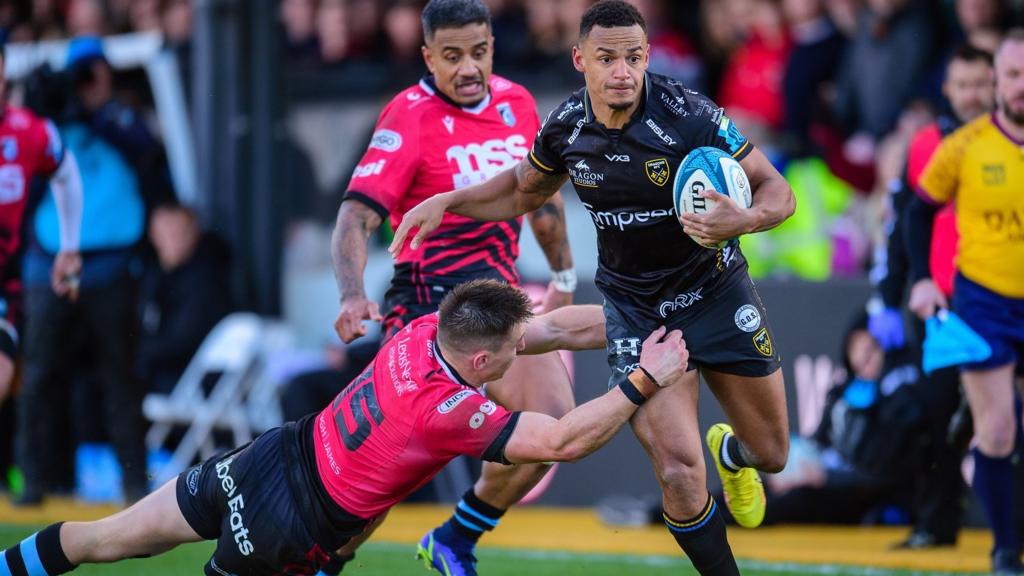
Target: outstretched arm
[
  {"x": 541, "y": 438},
  {"x": 568, "y": 328},
  {"x": 511, "y": 193}
]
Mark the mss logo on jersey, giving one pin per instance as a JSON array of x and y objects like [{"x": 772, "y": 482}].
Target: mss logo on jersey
[{"x": 475, "y": 163}]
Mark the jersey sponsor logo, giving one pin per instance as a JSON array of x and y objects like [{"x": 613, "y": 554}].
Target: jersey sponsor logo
[
  {"x": 449, "y": 124},
  {"x": 192, "y": 479},
  {"x": 386, "y": 140},
  {"x": 747, "y": 318},
  {"x": 576, "y": 131},
  {"x": 453, "y": 401},
  {"x": 400, "y": 367},
  {"x": 660, "y": 133},
  {"x": 367, "y": 170},
  {"x": 413, "y": 96},
  {"x": 617, "y": 157},
  {"x": 582, "y": 165},
  {"x": 991, "y": 174},
  {"x": 675, "y": 105},
  {"x": 500, "y": 84},
  {"x": 507, "y": 115},
  {"x": 582, "y": 175},
  {"x": 1008, "y": 222},
  {"x": 623, "y": 219},
  {"x": 488, "y": 407},
  {"x": 12, "y": 184},
  {"x": 680, "y": 302},
  {"x": 657, "y": 171},
  {"x": 569, "y": 108},
  {"x": 763, "y": 342},
  {"x": 477, "y": 420},
  {"x": 623, "y": 346},
  {"x": 9, "y": 146},
  {"x": 235, "y": 506},
  {"x": 476, "y": 163}
]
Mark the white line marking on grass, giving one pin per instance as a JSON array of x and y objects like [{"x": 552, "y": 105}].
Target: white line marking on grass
[{"x": 670, "y": 561}]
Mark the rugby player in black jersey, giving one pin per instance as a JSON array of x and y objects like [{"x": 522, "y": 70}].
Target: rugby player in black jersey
[{"x": 620, "y": 140}]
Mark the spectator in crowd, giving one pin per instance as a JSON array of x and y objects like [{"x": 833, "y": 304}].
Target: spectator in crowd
[
  {"x": 882, "y": 68},
  {"x": 299, "y": 21},
  {"x": 118, "y": 159},
  {"x": 671, "y": 53},
  {"x": 176, "y": 21},
  {"x": 810, "y": 71},
  {"x": 979, "y": 22},
  {"x": 87, "y": 18},
  {"x": 752, "y": 84},
  {"x": 332, "y": 27},
  {"x": 182, "y": 295},
  {"x": 144, "y": 15}
]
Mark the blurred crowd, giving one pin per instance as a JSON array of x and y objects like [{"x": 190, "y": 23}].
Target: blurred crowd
[{"x": 831, "y": 90}]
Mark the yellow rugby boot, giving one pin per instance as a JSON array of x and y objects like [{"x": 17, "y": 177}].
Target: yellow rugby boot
[{"x": 744, "y": 493}]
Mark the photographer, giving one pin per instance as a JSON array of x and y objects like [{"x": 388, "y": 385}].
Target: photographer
[{"x": 121, "y": 173}]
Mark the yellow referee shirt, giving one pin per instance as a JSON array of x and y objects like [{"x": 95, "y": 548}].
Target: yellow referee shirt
[{"x": 982, "y": 168}]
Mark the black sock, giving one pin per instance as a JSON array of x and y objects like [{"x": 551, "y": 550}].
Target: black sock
[
  {"x": 472, "y": 518},
  {"x": 732, "y": 457},
  {"x": 38, "y": 555},
  {"x": 703, "y": 540}
]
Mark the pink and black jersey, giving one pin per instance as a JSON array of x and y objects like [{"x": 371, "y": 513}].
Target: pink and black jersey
[
  {"x": 29, "y": 147},
  {"x": 400, "y": 422},
  {"x": 425, "y": 144}
]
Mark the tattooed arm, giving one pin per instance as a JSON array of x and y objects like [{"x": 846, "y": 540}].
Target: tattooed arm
[
  {"x": 509, "y": 194},
  {"x": 356, "y": 222},
  {"x": 548, "y": 224}
]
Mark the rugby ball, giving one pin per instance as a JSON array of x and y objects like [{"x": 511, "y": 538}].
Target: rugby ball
[{"x": 708, "y": 168}]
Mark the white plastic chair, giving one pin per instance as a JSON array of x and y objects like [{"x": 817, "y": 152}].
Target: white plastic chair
[{"x": 231, "y": 351}]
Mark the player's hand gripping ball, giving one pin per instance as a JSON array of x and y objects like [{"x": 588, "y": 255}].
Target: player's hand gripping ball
[{"x": 708, "y": 168}]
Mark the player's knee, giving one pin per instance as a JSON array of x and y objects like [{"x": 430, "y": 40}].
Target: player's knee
[
  {"x": 678, "y": 476},
  {"x": 996, "y": 436}
]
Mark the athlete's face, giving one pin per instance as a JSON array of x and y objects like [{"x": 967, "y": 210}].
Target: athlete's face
[
  {"x": 970, "y": 88},
  {"x": 461, "y": 60},
  {"x": 613, "y": 61},
  {"x": 1010, "y": 80},
  {"x": 491, "y": 365}
]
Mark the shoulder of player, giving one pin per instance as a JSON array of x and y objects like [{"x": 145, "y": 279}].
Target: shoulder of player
[
  {"x": 568, "y": 112},
  {"x": 672, "y": 102},
  {"x": 17, "y": 119},
  {"x": 972, "y": 132},
  {"x": 505, "y": 89},
  {"x": 408, "y": 104}
]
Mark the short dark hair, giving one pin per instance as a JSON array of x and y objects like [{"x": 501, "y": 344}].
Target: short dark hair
[
  {"x": 452, "y": 14},
  {"x": 481, "y": 313},
  {"x": 611, "y": 14},
  {"x": 969, "y": 53}
]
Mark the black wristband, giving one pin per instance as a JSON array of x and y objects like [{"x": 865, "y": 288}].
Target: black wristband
[
  {"x": 631, "y": 392},
  {"x": 649, "y": 377}
]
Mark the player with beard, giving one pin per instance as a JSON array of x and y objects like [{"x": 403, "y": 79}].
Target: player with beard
[
  {"x": 458, "y": 126},
  {"x": 619, "y": 140},
  {"x": 981, "y": 168},
  {"x": 970, "y": 91}
]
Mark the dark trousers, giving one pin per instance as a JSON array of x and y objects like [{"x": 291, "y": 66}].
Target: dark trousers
[{"x": 105, "y": 315}]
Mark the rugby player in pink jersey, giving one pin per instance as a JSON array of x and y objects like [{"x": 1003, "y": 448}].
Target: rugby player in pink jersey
[
  {"x": 459, "y": 125},
  {"x": 301, "y": 494}
]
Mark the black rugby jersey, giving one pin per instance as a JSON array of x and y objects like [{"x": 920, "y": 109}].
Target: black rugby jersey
[{"x": 624, "y": 179}]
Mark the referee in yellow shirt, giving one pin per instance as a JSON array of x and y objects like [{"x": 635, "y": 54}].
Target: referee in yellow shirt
[{"x": 980, "y": 167}]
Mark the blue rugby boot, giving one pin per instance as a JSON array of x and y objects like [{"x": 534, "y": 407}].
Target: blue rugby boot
[{"x": 451, "y": 556}]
